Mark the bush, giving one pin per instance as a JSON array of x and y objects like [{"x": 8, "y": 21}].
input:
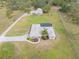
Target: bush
[
  {"x": 46, "y": 8},
  {"x": 56, "y": 2},
  {"x": 45, "y": 34},
  {"x": 8, "y": 13},
  {"x": 30, "y": 39},
  {"x": 64, "y": 8}
]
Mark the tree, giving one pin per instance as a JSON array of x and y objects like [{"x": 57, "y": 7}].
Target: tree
[
  {"x": 65, "y": 7},
  {"x": 8, "y": 13},
  {"x": 46, "y": 8},
  {"x": 73, "y": 13},
  {"x": 38, "y": 3},
  {"x": 2, "y": 3}
]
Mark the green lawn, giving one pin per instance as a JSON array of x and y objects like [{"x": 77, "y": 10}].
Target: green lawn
[
  {"x": 73, "y": 30},
  {"x": 60, "y": 50},
  {"x": 22, "y": 27},
  {"x": 4, "y": 21},
  {"x": 7, "y": 51}
]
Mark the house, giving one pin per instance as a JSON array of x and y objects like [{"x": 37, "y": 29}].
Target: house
[
  {"x": 36, "y": 29},
  {"x": 38, "y": 11}
]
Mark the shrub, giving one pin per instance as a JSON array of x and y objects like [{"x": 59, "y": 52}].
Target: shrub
[
  {"x": 46, "y": 8},
  {"x": 30, "y": 39},
  {"x": 64, "y": 7},
  {"x": 45, "y": 34}
]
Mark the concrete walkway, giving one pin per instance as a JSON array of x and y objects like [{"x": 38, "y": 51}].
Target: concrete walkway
[
  {"x": 17, "y": 38},
  {"x": 13, "y": 38}
]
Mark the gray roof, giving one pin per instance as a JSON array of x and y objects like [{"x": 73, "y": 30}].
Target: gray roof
[{"x": 46, "y": 25}]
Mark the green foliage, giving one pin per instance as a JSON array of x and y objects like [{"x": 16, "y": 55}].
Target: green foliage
[
  {"x": 38, "y": 3},
  {"x": 47, "y": 8},
  {"x": 65, "y": 8},
  {"x": 2, "y": 3},
  {"x": 56, "y": 2},
  {"x": 64, "y": 4},
  {"x": 45, "y": 34},
  {"x": 73, "y": 13},
  {"x": 29, "y": 38},
  {"x": 25, "y": 5},
  {"x": 8, "y": 13}
]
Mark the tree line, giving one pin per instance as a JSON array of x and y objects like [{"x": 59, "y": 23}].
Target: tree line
[{"x": 26, "y": 5}]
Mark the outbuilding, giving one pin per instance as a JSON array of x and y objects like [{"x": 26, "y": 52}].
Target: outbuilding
[{"x": 38, "y": 11}]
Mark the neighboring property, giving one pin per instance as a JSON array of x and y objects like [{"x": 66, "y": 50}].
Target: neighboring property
[
  {"x": 36, "y": 29},
  {"x": 38, "y": 11}
]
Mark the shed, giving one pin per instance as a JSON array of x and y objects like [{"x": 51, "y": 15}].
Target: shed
[{"x": 38, "y": 11}]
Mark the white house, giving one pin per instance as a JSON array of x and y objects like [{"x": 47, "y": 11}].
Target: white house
[
  {"x": 36, "y": 29},
  {"x": 38, "y": 11}
]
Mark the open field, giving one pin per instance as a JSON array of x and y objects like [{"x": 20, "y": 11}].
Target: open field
[
  {"x": 72, "y": 31},
  {"x": 4, "y": 21},
  {"x": 23, "y": 26},
  {"x": 60, "y": 48},
  {"x": 7, "y": 51}
]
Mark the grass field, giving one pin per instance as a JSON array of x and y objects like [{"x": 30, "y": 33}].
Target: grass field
[
  {"x": 60, "y": 48},
  {"x": 7, "y": 51},
  {"x": 73, "y": 30},
  {"x": 22, "y": 27},
  {"x": 4, "y": 21}
]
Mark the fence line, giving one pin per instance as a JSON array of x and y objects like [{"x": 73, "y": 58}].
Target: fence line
[{"x": 70, "y": 37}]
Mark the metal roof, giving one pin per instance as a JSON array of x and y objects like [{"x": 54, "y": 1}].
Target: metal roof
[{"x": 46, "y": 25}]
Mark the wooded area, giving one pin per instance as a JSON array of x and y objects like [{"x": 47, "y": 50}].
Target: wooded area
[{"x": 70, "y": 7}]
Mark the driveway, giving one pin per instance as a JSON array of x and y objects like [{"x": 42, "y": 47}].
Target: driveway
[
  {"x": 15, "y": 38},
  {"x": 10, "y": 27}
]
